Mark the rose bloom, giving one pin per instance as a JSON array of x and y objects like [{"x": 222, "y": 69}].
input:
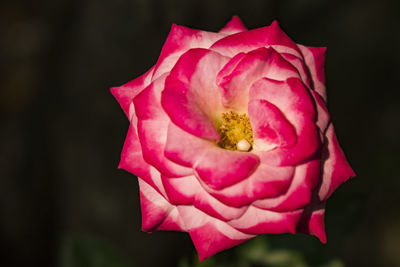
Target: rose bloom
[{"x": 230, "y": 137}]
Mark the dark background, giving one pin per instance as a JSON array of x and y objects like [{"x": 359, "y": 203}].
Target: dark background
[{"x": 62, "y": 131}]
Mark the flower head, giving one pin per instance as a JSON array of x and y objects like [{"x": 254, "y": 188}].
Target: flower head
[{"x": 230, "y": 137}]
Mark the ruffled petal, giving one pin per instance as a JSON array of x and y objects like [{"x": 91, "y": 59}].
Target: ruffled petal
[
  {"x": 315, "y": 61},
  {"x": 262, "y": 62},
  {"x": 208, "y": 234},
  {"x": 152, "y": 129},
  {"x": 191, "y": 97},
  {"x": 306, "y": 178},
  {"x": 301, "y": 67},
  {"x": 312, "y": 221},
  {"x": 125, "y": 93},
  {"x": 179, "y": 40},
  {"x": 235, "y": 25},
  {"x": 249, "y": 40},
  {"x": 270, "y": 127},
  {"x": 293, "y": 99},
  {"x": 336, "y": 169},
  {"x": 157, "y": 212},
  {"x": 266, "y": 182},
  {"x": 258, "y": 221},
  {"x": 219, "y": 168}
]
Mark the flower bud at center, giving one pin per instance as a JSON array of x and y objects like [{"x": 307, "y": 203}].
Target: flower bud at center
[{"x": 235, "y": 132}]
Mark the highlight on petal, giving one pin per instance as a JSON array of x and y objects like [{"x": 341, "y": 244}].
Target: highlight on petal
[
  {"x": 192, "y": 102},
  {"x": 125, "y": 93},
  {"x": 235, "y": 25},
  {"x": 208, "y": 234},
  {"x": 336, "y": 169},
  {"x": 315, "y": 60}
]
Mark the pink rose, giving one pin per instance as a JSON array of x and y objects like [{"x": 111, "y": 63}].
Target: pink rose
[{"x": 230, "y": 137}]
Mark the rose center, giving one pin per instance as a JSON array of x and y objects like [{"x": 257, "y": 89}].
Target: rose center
[{"x": 235, "y": 132}]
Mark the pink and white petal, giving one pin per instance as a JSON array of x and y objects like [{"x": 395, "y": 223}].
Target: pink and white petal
[
  {"x": 209, "y": 234},
  {"x": 181, "y": 191},
  {"x": 219, "y": 168},
  {"x": 184, "y": 148},
  {"x": 270, "y": 127},
  {"x": 335, "y": 168},
  {"x": 300, "y": 66},
  {"x": 235, "y": 25},
  {"x": 295, "y": 102},
  {"x": 172, "y": 222},
  {"x": 152, "y": 129},
  {"x": 315, "y": 61},
  {"x": 271, "y": 36},
  {"x": 266, "y": 182},
  {"x": 306, "y": 178},
  {"x": 125, "y": 93},
  {"x": 179, "y": 40},
  {"x": 132, "y": 158},
  {"x": 258, "y": 63},
  {"x": 323, "y": 117},
  {"x": 257, "y": 221},
  {"x": 312, "y": 221},
  {"x": 155, "y": 208},
  {"x": 191, "y": 97}
]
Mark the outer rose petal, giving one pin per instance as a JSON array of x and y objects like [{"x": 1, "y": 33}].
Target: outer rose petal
[
  {"x": 300, "y": 191},
  {"x": 192, "y": 102},
  {"x": 249, "y": 40},
  {"x": 312, "y": 221},
  {"x": 235, "y": 25},
  {"x": 258, "y": 221},
  {"x": 179, "y": 40},
  {"x": 336, "y": 169},
  {"x": 157, "y": 213},
  {"x": 152, "y": 129},
  {"x": 315, "y": 60},
  {"x": 125, "y": 93},
  {"x": 208, "y": 234}
]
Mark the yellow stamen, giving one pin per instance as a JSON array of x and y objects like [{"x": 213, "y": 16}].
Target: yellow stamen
[{"x": 235, "y": 132}]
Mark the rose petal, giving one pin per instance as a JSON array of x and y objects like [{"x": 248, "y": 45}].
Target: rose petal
[
  {"x": 299, "y": 194},
  {"x": 266, "y": 182},
  {"x": 258, "y": 221},
  {"x": 152, "y": 129},
  {"x": 315, "y": 60},
  {"x": 249, "y": 40},
  {"x": 336, "y": 169},
  {"x": 156, "y": 211},
  {"x": 262, "y": 62},
  {"x": 301, "y": 67},
  {"x": 125, "y": 93},
  {"x": 179, "y": 40},
  {"x": 312, "y": 221},
  {"x": 270, "y": 127},
  {"x": 293, "y": 99},
  {"x": 219, "y": 168},
  {"x": 235, "y": 25},
  {"x": 192, "y": 101},
  {"x": 208, "y": 234}
]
